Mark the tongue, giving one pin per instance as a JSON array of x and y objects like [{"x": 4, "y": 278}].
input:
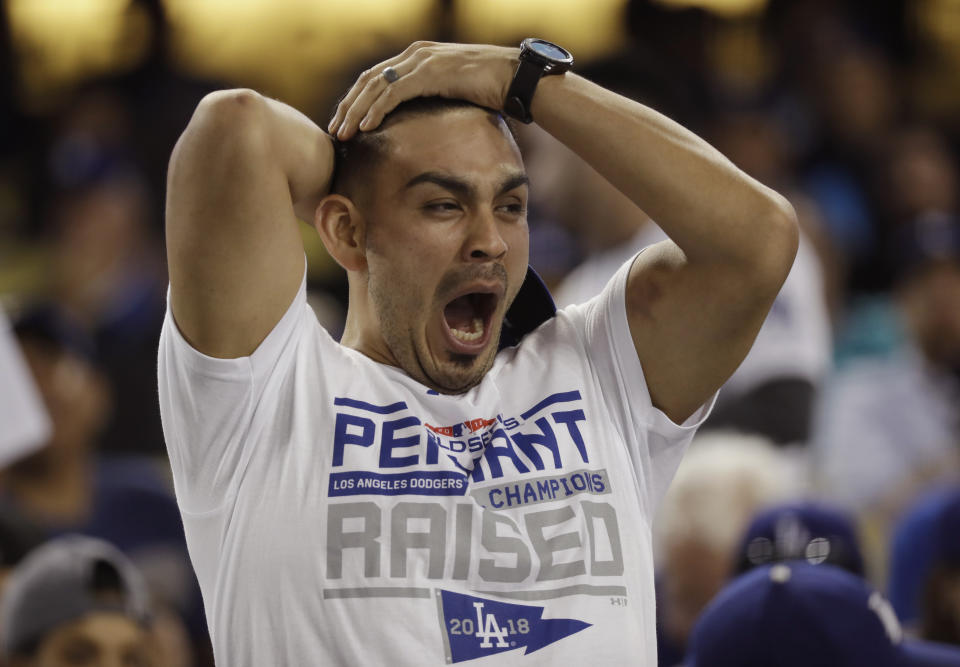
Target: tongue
[{"x": 459, "y": 314}]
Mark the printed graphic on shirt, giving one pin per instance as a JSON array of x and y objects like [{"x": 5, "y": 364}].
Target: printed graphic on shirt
[
  {"x": 532, "y": 510},
  {"x": 534, "y": 490},
  {"x": 474, "y": 627},
  {"x": 372, "y": 442}
]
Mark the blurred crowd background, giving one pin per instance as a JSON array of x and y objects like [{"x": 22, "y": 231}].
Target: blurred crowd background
[{"x": 839, "y": 437}]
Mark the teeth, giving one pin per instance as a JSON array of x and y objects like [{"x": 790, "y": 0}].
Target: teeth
[{"x": 470, "y": 336}]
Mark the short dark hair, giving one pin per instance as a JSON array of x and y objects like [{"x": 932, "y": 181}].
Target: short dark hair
[{"x": 354, "y": 159}]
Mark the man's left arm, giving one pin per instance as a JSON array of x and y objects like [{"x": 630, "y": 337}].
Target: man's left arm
[{"x": 695, "y": 303}]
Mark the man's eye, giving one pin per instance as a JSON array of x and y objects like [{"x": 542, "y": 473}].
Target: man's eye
[
  {"x": 442, "y": 206},
  {"x": 513, "y": 209}
]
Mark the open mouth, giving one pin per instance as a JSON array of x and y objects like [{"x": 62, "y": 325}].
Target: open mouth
[{"x": 468, "y": 318}]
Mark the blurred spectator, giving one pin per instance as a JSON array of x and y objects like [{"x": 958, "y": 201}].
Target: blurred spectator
[
  {"x": 924, "y": 584},
  {"x": 804, "y": 531},
  {"x": 888, "y": 425},
  {"x": 913, "y": 550},
  {"x": 54, "y": 486},
  {"x": 940, "y": 617},
  {"x": 918, "y": 176},
  {"x": 108, "y": 278},
  {"x": 721, "y": 483},
  {"x": 800, "y": 615},
  {"x": 77, "y": 601},
  {"x": 69, "y": 487},
  {"x": 842, "y": 99}
]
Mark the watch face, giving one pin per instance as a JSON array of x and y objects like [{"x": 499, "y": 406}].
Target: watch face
[{"x": 548, "y": 50}]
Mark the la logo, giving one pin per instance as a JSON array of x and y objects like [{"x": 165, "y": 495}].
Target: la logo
[{"x": 488, "y": 628}]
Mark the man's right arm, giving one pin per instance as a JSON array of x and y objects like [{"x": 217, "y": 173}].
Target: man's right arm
[{"x": 242, "y": 171}]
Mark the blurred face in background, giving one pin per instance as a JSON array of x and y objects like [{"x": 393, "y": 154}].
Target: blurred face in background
[
  {"x": 921, "y": 175},
  {"x": 857, "y": 92},
  {"x": 75, "y": 394},
  {"x": 931, "y": 301},
  {"x": 101, "y": 242},
  {"x": 99, "y": 639}
]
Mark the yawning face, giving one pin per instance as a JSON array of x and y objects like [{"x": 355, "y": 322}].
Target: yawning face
[
  {"x": 468, "y": 317},
  {"x": 446, "y": 247}
]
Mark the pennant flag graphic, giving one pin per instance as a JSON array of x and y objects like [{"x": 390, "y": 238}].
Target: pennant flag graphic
[{"x": 476, "y": 627}]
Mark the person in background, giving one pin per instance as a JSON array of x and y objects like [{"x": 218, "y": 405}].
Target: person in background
[
  {"x": 76, "y": 601},
  {"x": 69, "y": 486},
  {"x": 940, "y": 612},
  {"x": 798, "y": 615},
  {"x": 107, "y": 280},
  {"x": 924, "y": 582},
  {"x": 100, "y": 222},
  {"x": 53, "y": 487},
  {"x": 807, "y": 531},
  {"x": 721, "y": 483},
  {"x": 886, "y": 426}
]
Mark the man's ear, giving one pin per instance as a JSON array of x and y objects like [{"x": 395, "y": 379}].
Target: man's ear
[{"x": 342, "y": 228}]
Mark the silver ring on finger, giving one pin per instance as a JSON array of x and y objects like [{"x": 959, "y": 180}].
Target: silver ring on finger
[{"x": 390, "y": 75}]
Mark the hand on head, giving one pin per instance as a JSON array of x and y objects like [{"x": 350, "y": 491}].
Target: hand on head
[{"x": 474, "y": 72}]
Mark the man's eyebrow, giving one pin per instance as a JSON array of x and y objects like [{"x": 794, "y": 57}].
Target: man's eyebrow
[
  {"x": 451, "y": 183},
  {"x": 513, "y": 181},
  {"x": 463, "y": 188}
]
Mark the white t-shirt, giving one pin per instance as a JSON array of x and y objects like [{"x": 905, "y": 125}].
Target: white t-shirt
[{"x": 340, "y": 513}]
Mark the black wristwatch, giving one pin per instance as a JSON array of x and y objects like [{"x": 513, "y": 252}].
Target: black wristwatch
[{"x": 538, "y": 58}]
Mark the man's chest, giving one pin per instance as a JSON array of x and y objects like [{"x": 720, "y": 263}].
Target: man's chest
[
  {"x": 447, "y": 513},
  {"x": 527, "y": 491}
]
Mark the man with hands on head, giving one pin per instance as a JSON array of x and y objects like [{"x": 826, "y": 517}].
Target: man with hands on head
[{"x": 414, "y": 494}]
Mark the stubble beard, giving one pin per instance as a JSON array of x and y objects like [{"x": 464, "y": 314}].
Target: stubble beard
[{"x": 398, "y": 329}]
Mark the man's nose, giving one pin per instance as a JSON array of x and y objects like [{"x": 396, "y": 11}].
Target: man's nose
[{"x": 485, "y": 241}]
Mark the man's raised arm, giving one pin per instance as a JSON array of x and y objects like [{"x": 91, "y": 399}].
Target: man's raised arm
[
  {"x": 695, "y": 304},
  {"x": 242, "y": 171}
]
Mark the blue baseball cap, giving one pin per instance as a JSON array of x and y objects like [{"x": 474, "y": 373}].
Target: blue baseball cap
[
  {"x": 927, "y": 535},
  {"x": 805, "y": 531},
  {"x": 800, "y": 615}
]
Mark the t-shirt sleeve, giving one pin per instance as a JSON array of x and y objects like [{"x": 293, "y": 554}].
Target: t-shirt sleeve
[
  {"x": 207, "y": 404},
  {"x": 656, "y": 443}
]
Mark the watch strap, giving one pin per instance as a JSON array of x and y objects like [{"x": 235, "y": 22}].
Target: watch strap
[{"x": 524, "y": 85}]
